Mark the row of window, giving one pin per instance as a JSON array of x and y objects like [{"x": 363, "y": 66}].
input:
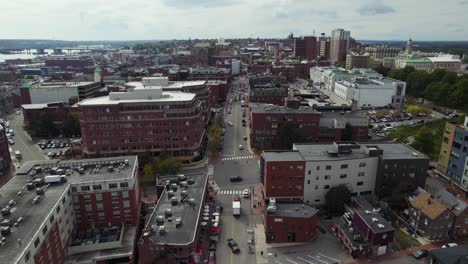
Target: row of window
[{"x": 97, "y": 187}]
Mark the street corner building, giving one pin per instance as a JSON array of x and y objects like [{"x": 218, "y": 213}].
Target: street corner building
[
  {"x": 71, "y": 211},
  {"x": 288, "y": 222},
  {"x": 177, "y": 229}
]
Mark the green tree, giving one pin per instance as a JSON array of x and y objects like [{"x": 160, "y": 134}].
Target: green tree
[
  {"x": 148, "y": 172},
  {"x": 71, "y": 125},
  {"x": 336, "y": 198},
  {"x": 423, "y": 141},
  {"x": 165, "y": 164},
  {"x": 459, "y": 97},
  {"x": 437, "y": 75},
  {"x": 382, "y": 70},
  {"x": 439, "y": 93},
  {"x": 347, "y": 133},
  {"x": 450, "y": 77},
  {"x": 288, "y": 134},
  {"x": 416, "y": 83},
  {"x": 416, "y": 110}
]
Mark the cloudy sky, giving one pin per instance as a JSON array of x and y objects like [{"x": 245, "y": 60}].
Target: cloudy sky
[{"x": 181, "y": 19}]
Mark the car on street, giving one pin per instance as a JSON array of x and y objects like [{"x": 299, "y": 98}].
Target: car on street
[
  {"x": 244, "y": 137},
  {"x": 449, "y": 245},
  {"x": 233, "y": 245},
  {"x": 420, "y": 254},
  {"x": 236, "y": 197},
  {"x": 241, "y": 147},
  {"x": 236, "y": 178},
  {"x": 230, "y": 123},
  {"x": 11, "y": 142},
  {"x": 246, "y": 193}
]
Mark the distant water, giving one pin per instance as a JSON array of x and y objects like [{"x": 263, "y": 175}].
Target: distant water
[{"x": 30, "y": 55}]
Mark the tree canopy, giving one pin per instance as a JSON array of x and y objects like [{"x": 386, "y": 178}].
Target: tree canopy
[
  {"x": 336, "y": 198},
  {"x": 288, "y": 134}
]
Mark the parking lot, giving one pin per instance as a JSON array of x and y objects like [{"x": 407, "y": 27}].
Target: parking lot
[{"x": 55, "y": 147}]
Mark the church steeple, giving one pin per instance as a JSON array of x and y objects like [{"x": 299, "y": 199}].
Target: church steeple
[{"x": 409, "y": 46}]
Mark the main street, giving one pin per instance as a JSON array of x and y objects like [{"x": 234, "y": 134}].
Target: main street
[
  {"x": 23, "y": 142},
  {"x": 235, "y": 162}
]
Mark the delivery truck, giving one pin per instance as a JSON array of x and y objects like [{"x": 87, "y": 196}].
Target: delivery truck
[
  {"x": 236, "y": 208},
  {"x": 55, "y": 179}
]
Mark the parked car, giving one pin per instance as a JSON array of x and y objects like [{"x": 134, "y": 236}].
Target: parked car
[
  {"x": 230, "y": 123},
  {"x": 246, "y": 193},
  {"x": 420, "y": 254},
  {"x": 449, "y": 245},
  {"x": 244, "y": 137},
  {"x": 236, "y": 178},
  {"x": 241, "y": 147},
  {"x": 233, "y": 245}
]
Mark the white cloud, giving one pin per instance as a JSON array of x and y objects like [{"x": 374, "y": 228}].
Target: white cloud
[{"x": 169, "y": 19}]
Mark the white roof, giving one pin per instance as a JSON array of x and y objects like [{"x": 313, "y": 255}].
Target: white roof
[
  {"x": 165, "y": 97},
  {"x": 445, "y": 58}
]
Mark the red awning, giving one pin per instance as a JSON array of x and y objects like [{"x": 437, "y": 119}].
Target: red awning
[{"x": 199, "y": 248}]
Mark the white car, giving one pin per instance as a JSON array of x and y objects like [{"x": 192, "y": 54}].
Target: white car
[
  {"x": 18, "y": 112},
  {"x": 246, "y": 193},
  {"x": 449, "y": 245},
  {"x": 241, "y": 147},
  {"x": 230, "y": 123}
]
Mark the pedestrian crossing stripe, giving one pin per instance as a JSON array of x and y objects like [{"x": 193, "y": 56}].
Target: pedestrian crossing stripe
[
  {"x": 238, "y": 157},
  {"x": 227, "y": 192}
]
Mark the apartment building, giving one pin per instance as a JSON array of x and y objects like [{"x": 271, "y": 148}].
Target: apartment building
[
  {"x": 67, "y": 211},
  {"x": 178, "y": 225},
  {"x": 453, "y": 157},
  {"x": 360, "y": 60},
  {"x": 380, "y": 52},
  {"x": 144, "y": 119},
  {"x": 268, "y": 120},
  {"x": 371, "y": 92},
  {"x": 305, "y": 47},
  {"x": 307, "y": 172}
]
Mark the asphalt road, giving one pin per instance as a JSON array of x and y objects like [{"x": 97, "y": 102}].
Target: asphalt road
[
  {"x": 23, "y": 142},
  {"x": 233, "y": 162}
]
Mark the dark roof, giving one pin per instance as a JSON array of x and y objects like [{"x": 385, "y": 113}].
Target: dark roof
[
  {"x": 297, "y": 210},
  {"x": 375, "y": 221},
  {"x": 453, "y": 255}
]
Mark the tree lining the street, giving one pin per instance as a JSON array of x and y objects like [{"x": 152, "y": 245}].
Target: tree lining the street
[
  {"x": 336, "y": 199},
  {"x": 215, "y": 134},
  {"x": 288, "y": 134}
]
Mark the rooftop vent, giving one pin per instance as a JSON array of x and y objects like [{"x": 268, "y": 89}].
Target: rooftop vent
[
  {"x": 381, "y": 226},
  {"x": 375, "y": 220},
  {"x": 415, "y": 154}
]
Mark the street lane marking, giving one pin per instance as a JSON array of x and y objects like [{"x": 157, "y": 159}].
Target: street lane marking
[
  {"x": 317, "y": 259},
  {"x": 306, "y": 261},
  {"x": 292, "y": 261},
  {"x": 339, "y": 261},
  {"x": 278, "y": 262}
]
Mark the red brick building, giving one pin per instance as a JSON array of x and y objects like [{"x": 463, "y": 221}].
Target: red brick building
[
  {"x": 290, "y": 222},
  {"x": 69, "y": 61},
  {"x": 91, "y": 217},
  {"x": 267, "y": 120},
  {"x": 305, "y": 47},
  {"x": 210, "y": 73},
  {"x": 57, "y": 112},
  {"x": 145, "y": 119},
  {"x": 5, "y": 158},
  {"x": 219, "y": 90}
]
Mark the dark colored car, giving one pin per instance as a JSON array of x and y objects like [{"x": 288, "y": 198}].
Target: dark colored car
[
  {"x": 420, "y": 254},
  {"x": 236, "y": 178},
  {"x": 233, "y": 245}
]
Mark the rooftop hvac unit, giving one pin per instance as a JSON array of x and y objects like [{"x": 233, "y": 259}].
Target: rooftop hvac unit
[
  {"x": 381, "y": 226},
  {"x": 271, "y": 208},
  {"x": 375, "y": 220}
]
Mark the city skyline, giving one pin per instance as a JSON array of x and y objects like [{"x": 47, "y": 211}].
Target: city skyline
[{"x": 175, "y": 19}]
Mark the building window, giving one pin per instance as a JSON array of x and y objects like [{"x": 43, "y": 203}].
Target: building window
[
  {"x": 362, "y": 164},
  {"x": 114, "y": 195},
  {"x": 58, "y": 209},
  {"x": 84, "y": 188},
  {"x": 97, "y": 187},
  {"x": 27, "y": 257},
  {"x": 308, "y": 181},
  {"x": 360, "y": 183},
  {"x": 125, "y": 194},
  {"x": 36, "y": 242},
  {"x": 344, "y": 166},
  {"x": 88, "y": 208},
  {"x": 116, "y": 214},
  {"x": 98, "y": 196},
  {"x": 326, "y": 187},
  {"x": 327, "y": 177},
  {"x": 127, "y": 213},
  {"x": 328, "y": 167},
  {"x": 52, "y": 218},
  {"x": 308, "y": 172},
  {"x": 318, "y": 168},
  {"x": 74, "y": 189},
  {"x": 100, "y": 206},
  {"x": 87, "y": 197},
  {"x": 126, "y": 204},
  {"x": 300, "y": 168},
  {"x": 115, "y": 204},
  {"x": 360, "y": 174},
  {"x": 112, "y": 185},
  {"x": 44, "y": 230},
  {"x": 124, "y": 185},
  {"x": 343, "y": 176}
]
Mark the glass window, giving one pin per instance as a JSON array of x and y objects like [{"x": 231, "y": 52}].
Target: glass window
[
  {"x": 125, "y": 194},
  {"x": 97, "y": 187},
  {"x": 344, "y": 166},
  {"x": 115, "y": 204},
  {"x": 362, "y": 164},
  {"x": 328, "y": 167},
  {"x": 360, "y": 183},
  {"x": 98, "y": 196},
  {"x": 112, "y": 185},
  {"x": 88, "y": 208},
  {"x": 126, "y": 204},
  {"x": 84, "y": 188},
  {"x": 124, "y": 185},
  {"x": 114, "y": 195}
]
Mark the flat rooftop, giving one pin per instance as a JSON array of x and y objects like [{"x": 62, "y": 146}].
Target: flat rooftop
[
  {"x": 266, "y": 108},
  {"x": 297, "y": 210},
  {"x": 188, "y": 213},
  {"x": 35, "y": 214},
  {"x": 140, "y": 96},
  {"x": 375, "y": 221},
  {"x": 59, "y": 84},
  {"x": 287, "y": 155}
]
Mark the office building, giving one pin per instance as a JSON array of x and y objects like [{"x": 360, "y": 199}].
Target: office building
[
  {"x": 339, "y": 45},
  {"x": 307, "y": 172},
  {"x": 325, "y": 77},
  {"x": 371, "y": 92},
  {"x": 179, "y": 222},
  {"x": 324, "y": 47},
  {"x": 453, "y": 158},
  {"x": 268, "y": 92},
  {"x": 71, "y": 211},
  {"x": 267, "y": 122},
  {"x": 360, "y": 60},
  {"x": 305, "y": 47},
  {"x": 446, "y": 61},
  {"x": 49, "y": 92},
  {"x": 144, "y": 119}
]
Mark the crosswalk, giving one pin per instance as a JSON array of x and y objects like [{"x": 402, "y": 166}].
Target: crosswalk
[
  {"x": 237, "y": 157},
  {"x": 229, "y": 192}
]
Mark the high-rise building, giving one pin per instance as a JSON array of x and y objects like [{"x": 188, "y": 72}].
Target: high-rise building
[
  {"x": 339, "y": 45},
  {"x": 324, "y": 47},
  {"x": 305, "y": 47}
]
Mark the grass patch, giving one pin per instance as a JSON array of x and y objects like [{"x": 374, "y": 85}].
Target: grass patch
[
  {"x": 436, "y": 127},
  {"x": 404, "y": 240}
]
